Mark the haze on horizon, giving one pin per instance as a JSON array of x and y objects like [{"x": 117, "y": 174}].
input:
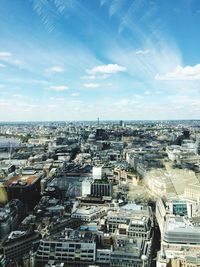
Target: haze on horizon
[{"x": 113, "y": 59}]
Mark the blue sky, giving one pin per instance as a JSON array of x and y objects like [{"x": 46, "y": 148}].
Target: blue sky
[{"x": 113, "y": 59}]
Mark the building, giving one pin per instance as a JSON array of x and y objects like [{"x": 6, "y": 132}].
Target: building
[
  {"x": 138, "y": 219},
  {"x": 10, "y": 216},
  {"x": 71, "y": 247},
  {"x": 86, "y": 187},
  {"x": 19, "y": 243},
  {"x": 130, "y": 252},
  {"x": 25, "y": 187},
  {"x": 192, "y": 191},
  {"x": 88, "y": 213},
  {"x": 180, "y": 232},
  {"x": 97, "y": 173},
  {"x": 101, "y": 189}
]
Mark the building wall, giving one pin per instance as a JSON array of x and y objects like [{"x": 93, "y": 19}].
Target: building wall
[
  {"x": 100, "y": 190},
  {"x": 72, "y": 252}
]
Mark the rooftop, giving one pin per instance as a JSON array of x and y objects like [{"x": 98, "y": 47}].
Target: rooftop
[
  {"x": 21, "y": 180},
  {"x": 70, "y": 235}
]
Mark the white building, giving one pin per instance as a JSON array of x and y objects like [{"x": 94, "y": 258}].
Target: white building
[
  {"x": 180, "y": 231},
  {"x": 88, "y": 213},
  {"x": 70, "y": 247},
  {"x": 86, "y": 187},
  {"x": 97, "y": 173}
]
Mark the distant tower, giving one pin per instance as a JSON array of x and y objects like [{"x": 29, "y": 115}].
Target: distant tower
[
  {"x": 10, "y": 151},
  {"x": 98, "y": 121}
]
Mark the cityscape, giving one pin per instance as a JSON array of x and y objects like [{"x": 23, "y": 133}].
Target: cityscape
[
  {"x": 99, "y": 133},
  {"x": 100, "y": 193}
]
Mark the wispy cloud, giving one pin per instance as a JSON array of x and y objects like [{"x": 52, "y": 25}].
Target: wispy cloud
[
  {"x": 25, "y": 105},
  {"x": 102, "y": 2},
  {"x": 147, "y": 92},
  {"x": 2, "y": 65},
  {"x": 29, "y": 81},
  {"x": 187, "y": 73},
  {"x": 18, "y": 96},
  {"x": 75, "y": 94},
  {"x": 116, "y": 6},
  {"x": 50, "y": 12},
  {"x": 58, "y": 88},
  {"x": 91, "y": 85},
  {"x": 107, "y": 69},
  {"x": 5, "y": 55},
  {"x": 96, "y": 77},
  {"x": 88, "y": 77},
  {"x": 55, "y": 69},
  {"x": 135, "y": 51},
  {"x": 142, "y": 52},
  {"x": 9, "y": 58}
]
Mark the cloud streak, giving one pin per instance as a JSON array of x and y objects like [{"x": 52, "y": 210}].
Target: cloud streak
[
  {"x": 58, "y": 88},
  {"x": 55, "y": 69},
  {"x": 8, "y": 57},
  {"x": 142, "y": 52},
  {"x": 91, "y": 85},
  {"x": 107, "y": 69}
]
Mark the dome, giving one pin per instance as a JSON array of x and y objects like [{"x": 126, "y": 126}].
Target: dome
[{"x": 91, "y": 137}]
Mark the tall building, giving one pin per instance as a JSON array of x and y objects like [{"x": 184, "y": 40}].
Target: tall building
[
  {"x": 86, "y": 187},
  {"x": 101, "y": 189},
  {"x": 25, "y": 188},
  {"x": 97, "y": 173}
]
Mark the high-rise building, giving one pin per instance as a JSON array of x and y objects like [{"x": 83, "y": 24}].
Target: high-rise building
[
  {"x": 101, "y": 189},
  {"x": 25, "y": 188}
]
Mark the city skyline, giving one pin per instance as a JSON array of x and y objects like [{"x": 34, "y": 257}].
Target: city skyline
[{"x": 117, "y": 59}]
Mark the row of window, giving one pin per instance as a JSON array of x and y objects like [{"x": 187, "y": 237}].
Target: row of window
[{"x": 66, "y": 249}]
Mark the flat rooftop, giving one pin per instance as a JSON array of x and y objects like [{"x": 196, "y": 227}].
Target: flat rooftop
[
  {"x": 21, "y": 180},
  {"x": 70, "y": 235}
]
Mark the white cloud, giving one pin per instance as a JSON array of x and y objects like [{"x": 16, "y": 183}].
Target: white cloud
[
  {"x": 55, "y": 69},
  {"x": 76, "y": 101},
  {"x": 18, "y": 95},
  {"x": 9, "y": 58},
  {"x": 106, "y": 69},
  {"x": 91, "y": 85},
  {"x": 95, "y": 77},
  {"x": 142, "y": 52},
  {"x": 147, "y": 92},
  {"x": 103, "y": 77},
  {"x": 58, "y": 87},
  {"x": 25, "y": 105},
  {"x": 88, "y": 77},
  {"x": 29, "y": 81},
  {"x": 75, "y": 94},
  {"x": 52, "y": 106},
  {"x": 187, "y": 73},
  {"x": 5, "y": 55},
  {"x": 2, "y": 65}
]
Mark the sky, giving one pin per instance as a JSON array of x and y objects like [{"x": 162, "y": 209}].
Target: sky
[{"x": 112, "y": 59}]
